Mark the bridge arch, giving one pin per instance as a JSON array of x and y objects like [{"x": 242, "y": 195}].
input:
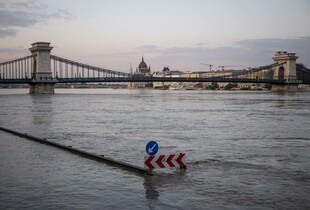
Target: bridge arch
[
  {"x": 281, "y": 73},
  {"x": 34, "y": 66}
]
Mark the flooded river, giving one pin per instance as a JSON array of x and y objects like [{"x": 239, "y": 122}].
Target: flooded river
[{"x": 244, "y": 150}]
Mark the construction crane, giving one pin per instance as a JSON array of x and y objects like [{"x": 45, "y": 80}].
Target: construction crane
[
  {"x": 222, "y": 67},
  {"x": 210, "y": 65},
  {"x": 228, "y": 66}
]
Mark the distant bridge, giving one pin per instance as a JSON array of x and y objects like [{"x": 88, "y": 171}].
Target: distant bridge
[{"x": 42, "y": 71}]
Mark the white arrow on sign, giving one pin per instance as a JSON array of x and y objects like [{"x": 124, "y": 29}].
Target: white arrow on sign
[{"x": 151, "y": 149}]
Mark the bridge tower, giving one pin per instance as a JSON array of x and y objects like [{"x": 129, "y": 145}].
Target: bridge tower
[
  {"x": 42, "y": 81},
  {"x": 285, "y": 72}
]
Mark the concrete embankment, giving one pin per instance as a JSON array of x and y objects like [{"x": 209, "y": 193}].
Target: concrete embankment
[{"x": 93, "y": 156}]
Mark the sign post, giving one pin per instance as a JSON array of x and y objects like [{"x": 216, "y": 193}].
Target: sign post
[
  {"x": 151, "y": 149},
  {"x": 153, "y": 161}
]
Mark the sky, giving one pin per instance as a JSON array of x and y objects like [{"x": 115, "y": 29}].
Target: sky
[{"x": 181, "y": 34}]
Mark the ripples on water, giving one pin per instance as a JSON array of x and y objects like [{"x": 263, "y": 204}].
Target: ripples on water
[{"x": 245, "y": 150}]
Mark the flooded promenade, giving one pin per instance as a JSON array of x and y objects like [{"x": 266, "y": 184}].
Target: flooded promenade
[{"x": 245, "y": 150}]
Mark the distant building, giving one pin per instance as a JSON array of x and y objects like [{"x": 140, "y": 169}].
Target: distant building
[
  {"x": 166, "y": 72},
  {"x": 142, "y": 70},
  {"x": 166, "y": 69}
]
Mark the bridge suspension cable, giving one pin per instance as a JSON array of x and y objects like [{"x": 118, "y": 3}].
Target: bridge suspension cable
[
  {"x": 302, "y": 68},
  {"x": 253, "y": 72},
  {"x": 65, "y": 68},
  {"x": 262, "y": 68},
  {"x": 303, "y": 73}
]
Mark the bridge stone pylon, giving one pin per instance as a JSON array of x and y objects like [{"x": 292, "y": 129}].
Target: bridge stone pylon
[
  {"x": 286, "y": 71},
  {"x": 42, "y": 80}
]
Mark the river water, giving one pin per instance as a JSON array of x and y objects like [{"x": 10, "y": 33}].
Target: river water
[{"x": 244, "y": 150}]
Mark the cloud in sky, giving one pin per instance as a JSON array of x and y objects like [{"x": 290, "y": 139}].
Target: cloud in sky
[
  {"x": 15, "y": 14},
  {"x": 244, "y": 54},
  {"x": 276, "y": 44},
  {"x": 148, "y": 48},
  {"x": 15, "y": 50},
  {"x": 7, "y": 32},
  {"x": 15, "y": 3},
  {"x": 249, "y": 52}
]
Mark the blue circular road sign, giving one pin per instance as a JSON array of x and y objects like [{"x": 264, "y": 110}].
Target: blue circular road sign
[{"x": 152, "y": 148}]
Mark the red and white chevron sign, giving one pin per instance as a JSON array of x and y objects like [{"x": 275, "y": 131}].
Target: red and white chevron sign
[{"x": 165, "y": 161}]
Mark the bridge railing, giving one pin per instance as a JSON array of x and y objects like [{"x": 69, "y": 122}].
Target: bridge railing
[{"x": 20, "y": 68}]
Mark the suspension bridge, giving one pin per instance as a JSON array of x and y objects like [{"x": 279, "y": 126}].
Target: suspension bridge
[{"x": 42, "y": 70}]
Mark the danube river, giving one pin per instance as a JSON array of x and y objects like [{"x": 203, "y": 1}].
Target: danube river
[{"x": 244, "y": 150}]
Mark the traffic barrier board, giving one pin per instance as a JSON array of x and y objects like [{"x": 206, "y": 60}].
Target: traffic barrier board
[{"x": 165, "y": 161}]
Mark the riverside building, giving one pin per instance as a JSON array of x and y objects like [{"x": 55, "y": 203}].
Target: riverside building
[{"x": 141, "y": 70}]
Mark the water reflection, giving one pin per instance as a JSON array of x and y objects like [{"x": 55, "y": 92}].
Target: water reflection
[
  {"x": 150, "y": 188},
  {"x": 282, "y": 104},
  {"x": 152, "y": 184},
  {"x": 284, "y": 100},
  {"x": 284, "y": 93},
  {"x": 41, "y": 109}
]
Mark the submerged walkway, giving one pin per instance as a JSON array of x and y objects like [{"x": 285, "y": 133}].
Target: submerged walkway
[{"x": 100, "y": 158}]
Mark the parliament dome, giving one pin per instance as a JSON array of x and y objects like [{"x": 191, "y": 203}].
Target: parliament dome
[{"x": 142, "y": 65}]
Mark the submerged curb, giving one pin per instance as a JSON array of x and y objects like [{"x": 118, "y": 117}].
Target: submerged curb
[{"x": 100, "y": 158}]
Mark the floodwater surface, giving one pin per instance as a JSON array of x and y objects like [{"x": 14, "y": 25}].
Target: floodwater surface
[{"x": 244, "y": 150}]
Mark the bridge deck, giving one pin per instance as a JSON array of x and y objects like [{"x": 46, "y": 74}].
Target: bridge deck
[{"x": 146, "y": 79}]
